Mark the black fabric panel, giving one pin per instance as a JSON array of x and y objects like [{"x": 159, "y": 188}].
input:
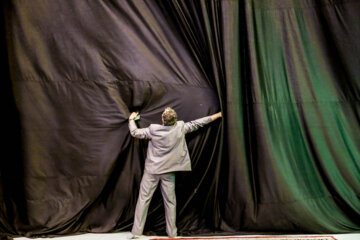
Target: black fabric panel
[{"x": 76, "y": 77}]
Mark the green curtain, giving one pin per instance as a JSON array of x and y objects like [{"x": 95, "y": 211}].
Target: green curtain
[{"x": 305, "y": 91}]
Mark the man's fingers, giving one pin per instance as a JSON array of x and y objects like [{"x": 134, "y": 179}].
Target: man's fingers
[{"x": 133, "y": 114}]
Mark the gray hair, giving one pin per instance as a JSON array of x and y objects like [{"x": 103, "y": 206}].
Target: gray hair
[{"x": 169, "y": 116}]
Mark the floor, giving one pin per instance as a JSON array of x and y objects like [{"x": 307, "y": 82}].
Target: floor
[{"x": 125, "y": 235}]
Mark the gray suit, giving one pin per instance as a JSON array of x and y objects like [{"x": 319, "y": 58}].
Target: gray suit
[{"x": 167, "y": 153}]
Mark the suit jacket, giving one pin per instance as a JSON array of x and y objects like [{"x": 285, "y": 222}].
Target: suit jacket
[{"x": 167, "y": 150}]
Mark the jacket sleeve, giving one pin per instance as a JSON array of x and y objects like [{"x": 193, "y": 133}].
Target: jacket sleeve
[
  {"x": 143, "y": 133},
  {"x": 195, "y": 124}
]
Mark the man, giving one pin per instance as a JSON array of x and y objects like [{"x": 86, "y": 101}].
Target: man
[{"x": 167, "y": 153}]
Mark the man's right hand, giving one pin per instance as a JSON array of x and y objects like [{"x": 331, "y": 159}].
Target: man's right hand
[{"x": 216, "y": 116}]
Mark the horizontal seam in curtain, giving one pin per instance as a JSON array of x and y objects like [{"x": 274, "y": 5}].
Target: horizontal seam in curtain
[
  {"x": 306, "y": 199},
  {"x": 307, "y": 7},
  {"x": 260, "y": 203},
  {"x": 81, "y": 176},
  {"x": 74, "y": 128},
  {"x": 305, "y": 102},
  {"x": 111, "y": 82}
]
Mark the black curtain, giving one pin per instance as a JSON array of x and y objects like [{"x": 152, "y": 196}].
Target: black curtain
[{"x": 284, "y": 158}]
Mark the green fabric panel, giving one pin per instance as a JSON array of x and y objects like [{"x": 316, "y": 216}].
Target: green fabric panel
[{"x": 311, "y": 127}]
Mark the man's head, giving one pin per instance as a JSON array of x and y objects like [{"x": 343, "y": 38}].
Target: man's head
[{"x": 169, "y": 117}]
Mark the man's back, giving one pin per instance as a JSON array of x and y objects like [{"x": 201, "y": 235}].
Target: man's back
[{"x": 167, "y": 150}]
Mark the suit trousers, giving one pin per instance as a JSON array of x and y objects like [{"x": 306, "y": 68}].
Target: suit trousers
[{"x": 149, "y": 183}]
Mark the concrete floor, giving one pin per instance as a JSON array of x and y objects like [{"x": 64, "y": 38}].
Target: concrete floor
[{"x": 125, "y": 235}]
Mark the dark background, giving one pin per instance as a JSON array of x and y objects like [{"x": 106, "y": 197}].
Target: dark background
[{"x": 285, "y": 74}]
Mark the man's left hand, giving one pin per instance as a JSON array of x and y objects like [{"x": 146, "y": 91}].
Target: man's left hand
[{"x": 133, "y": 115}]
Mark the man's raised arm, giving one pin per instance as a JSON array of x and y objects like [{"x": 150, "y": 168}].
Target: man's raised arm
[
  {"x": 143, "y": 133},
  {"x": 195, "y": 124}
]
